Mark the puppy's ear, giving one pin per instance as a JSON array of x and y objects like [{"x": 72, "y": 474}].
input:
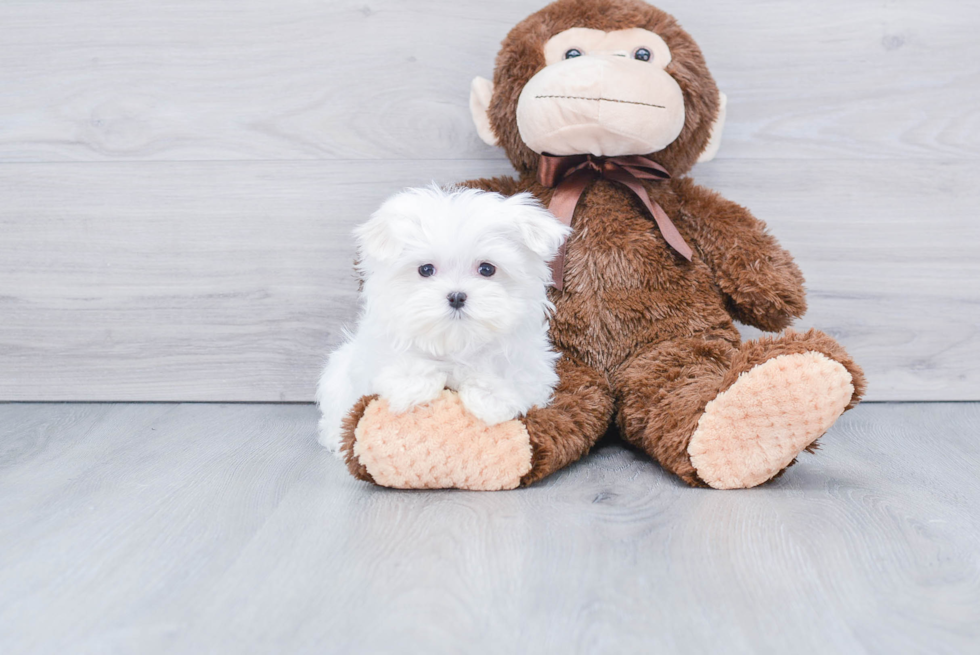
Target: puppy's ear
[
  {"x": 539, "y": 229},
  {"x": 382, "y": 237}
]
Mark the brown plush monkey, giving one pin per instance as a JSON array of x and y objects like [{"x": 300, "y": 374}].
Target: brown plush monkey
[{"x": 654, "y": 274}]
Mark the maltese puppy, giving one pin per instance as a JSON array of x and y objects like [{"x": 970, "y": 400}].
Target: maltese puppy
[{"x": 454, "y": 295}]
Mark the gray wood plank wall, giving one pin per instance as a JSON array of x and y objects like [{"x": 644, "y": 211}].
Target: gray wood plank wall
[{"x": 178, "y": 180}]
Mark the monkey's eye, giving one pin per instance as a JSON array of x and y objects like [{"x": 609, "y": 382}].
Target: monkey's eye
[
  {"x": 574, "y": 52},
  {"x": 426, "y": 270},
  {"x": 642, "y": 54},
  {"x": 487, "y": 269}
]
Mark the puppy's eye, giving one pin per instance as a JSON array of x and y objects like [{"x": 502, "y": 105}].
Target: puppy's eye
[
  {"x": 573, "y": 52},
  {"x": 487, "y": 270},
  {"x": 425, "y": 270},
  {"x": 642, "y": 54}
]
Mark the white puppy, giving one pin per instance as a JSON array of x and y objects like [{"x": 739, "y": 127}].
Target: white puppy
[{"x": 454, "y": 295}]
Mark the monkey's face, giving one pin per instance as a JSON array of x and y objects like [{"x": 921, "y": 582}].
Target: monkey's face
[
  {"x": 602, "y": 93},
  {"x": 600, "y": 77}
]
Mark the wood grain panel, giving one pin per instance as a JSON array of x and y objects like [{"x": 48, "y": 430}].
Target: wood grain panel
[
  {"x": 230, "y": 281},
  {"x": 210, "y": 79},
  {"x": 201, "y": 528}
]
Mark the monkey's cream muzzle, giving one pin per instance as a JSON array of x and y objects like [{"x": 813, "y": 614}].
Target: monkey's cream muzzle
[
  {"x": 605, "y": 101},
  {"x": 592, "y": 104}
]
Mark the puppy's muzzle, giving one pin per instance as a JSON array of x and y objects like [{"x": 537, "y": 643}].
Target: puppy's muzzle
[{"x": 456, "y": 299}]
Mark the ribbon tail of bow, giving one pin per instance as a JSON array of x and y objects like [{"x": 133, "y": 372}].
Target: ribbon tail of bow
[
  {"x": 562, "y": 205},
  {"x": 667, "y": 227}
]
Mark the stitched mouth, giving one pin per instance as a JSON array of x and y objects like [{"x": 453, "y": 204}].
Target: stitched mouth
[{"x": 625, "y": 102}]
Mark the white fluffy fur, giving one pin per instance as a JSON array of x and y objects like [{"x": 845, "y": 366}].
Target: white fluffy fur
[{"x": 410, "y": 343}]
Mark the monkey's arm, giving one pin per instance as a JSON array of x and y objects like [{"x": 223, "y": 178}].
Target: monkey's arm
[{"x": 762, "y": 284}]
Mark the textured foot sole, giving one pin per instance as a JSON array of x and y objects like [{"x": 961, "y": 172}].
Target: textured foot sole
[
  {"x": 755, "y": 428},
  {"x": 440, "y": 445}
]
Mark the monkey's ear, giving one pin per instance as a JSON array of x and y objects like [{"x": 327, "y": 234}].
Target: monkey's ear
[
  {"x": 714, "y": 141},
  {"x": 539, "y": 229},
  {"x": 481, "y": 90}
]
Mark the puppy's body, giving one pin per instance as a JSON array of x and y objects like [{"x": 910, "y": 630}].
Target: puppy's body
[
  {"x": 454, "y": 296},
  {"x": 496, "y": 382}
]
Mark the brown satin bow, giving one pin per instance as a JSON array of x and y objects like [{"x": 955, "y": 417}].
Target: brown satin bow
[{"x": 573, "y": 173}]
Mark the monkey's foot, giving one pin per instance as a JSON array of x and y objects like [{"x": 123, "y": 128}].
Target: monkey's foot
[
  {"x": 438, "y": 445},
  {"x": 756, "y": 428}
]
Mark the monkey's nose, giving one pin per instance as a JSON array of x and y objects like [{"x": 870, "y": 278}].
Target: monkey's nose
[{"x": 456, "y": 299}]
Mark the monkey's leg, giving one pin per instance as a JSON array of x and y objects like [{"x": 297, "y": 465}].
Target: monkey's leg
[
  {"x": 441, "y": 445},
  {"x": 577, "y": 417},
  {"x": 734, "y": 416}
]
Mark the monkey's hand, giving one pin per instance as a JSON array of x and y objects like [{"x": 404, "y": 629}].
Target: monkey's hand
[{"x": 439, "y": 445}]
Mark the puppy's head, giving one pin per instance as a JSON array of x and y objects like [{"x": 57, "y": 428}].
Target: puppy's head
[{"x": 445, "y": 271}]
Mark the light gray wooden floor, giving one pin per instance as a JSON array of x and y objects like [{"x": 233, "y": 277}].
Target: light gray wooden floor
[{"x": 134, "y": 528}]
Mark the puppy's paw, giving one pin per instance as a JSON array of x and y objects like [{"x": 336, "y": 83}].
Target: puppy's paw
[
  {"x": 403, "y": 392},
  {"x": 490, "y": 402},
  {"x": 329, "y": 436}
]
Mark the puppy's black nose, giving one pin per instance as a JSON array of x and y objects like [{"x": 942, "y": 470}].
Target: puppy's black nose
[{"x": 456, "y": 299}]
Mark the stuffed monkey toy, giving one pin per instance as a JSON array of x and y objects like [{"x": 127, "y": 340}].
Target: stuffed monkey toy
[{"x": 603, "y": 107}]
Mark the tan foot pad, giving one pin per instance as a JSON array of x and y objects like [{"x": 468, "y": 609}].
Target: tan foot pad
[
  {"x": 755, "y": 428},
  {"x": 440, "y": 445}
]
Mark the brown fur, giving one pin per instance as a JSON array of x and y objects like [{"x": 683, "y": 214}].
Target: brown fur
[
  {"x": 567, "y": 428},
  {"x": 647, "y": 337},
  {"x": 659, "y": 329}
]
